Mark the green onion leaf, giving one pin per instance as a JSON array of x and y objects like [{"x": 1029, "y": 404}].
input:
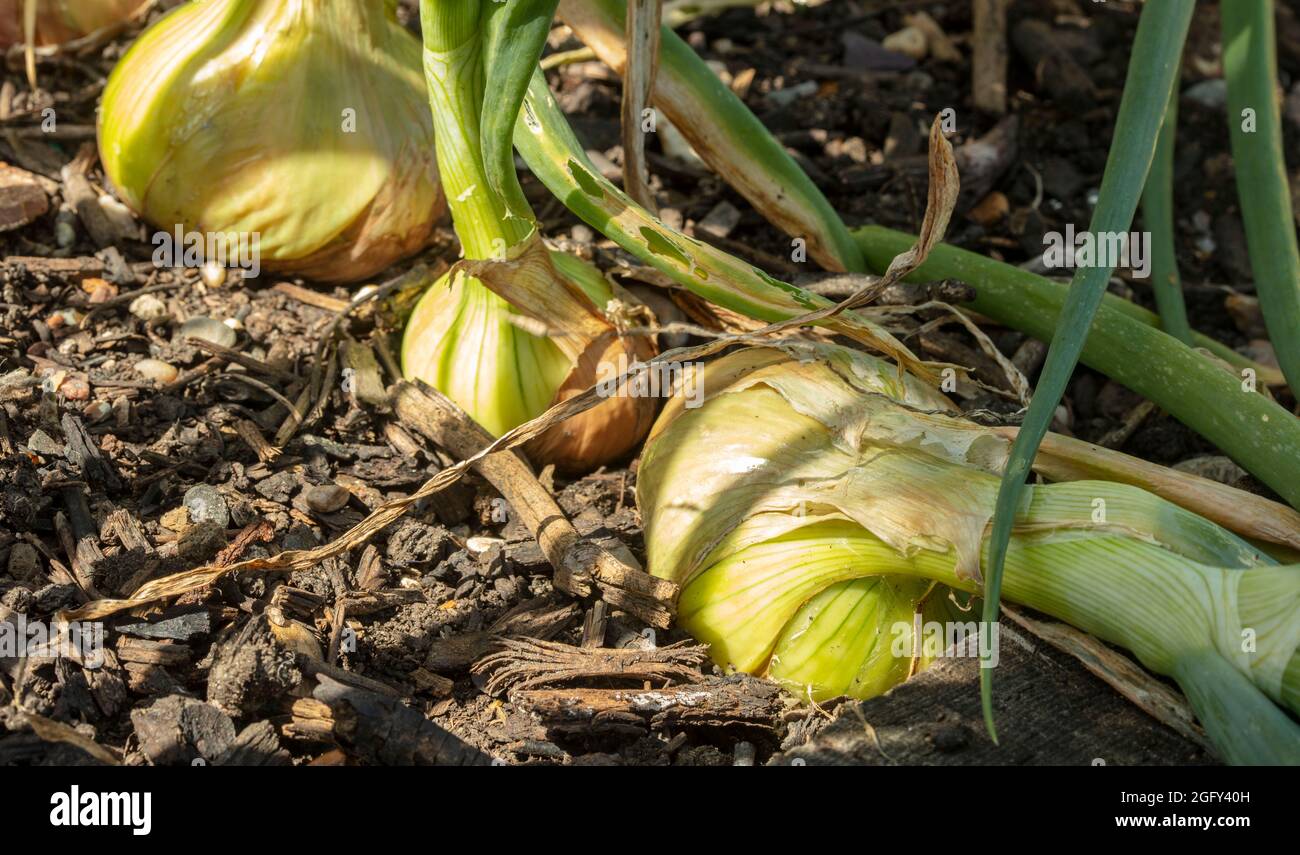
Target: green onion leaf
[
  {"x": 514, "y": 35},
  {"x": 1157, "y": 48},
  {"x": 1250, "y": 66},
  {"x": 1158, "y": 214}
]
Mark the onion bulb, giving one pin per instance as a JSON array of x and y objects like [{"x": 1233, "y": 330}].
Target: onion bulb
[
  {"x": 809, "y": 504},
  {"x": 506, "y": 340},
  {"x": 302, "y": 124}
]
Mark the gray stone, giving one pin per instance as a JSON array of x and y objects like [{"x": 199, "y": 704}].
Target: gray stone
[
  {"x": 209, "y": 329},
  {"x": 24, "y": 562},
  {"x": 200, "y": 542},
  {"x": 326, "y": 498},
  {"x": 206, "y": 504},
  {"x": 43, "y": 444}
]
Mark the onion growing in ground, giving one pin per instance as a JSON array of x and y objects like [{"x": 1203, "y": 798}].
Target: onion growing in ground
[
  {"x": 302, "y": 122},
  {"x": 803, "y": 476},
  {"x": 513, "y": 328}
]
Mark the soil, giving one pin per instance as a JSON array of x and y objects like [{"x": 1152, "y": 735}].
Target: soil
[{"x": 108, "y": 479}]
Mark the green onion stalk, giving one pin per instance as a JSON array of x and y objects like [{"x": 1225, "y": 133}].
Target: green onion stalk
[
  {"x": 816, "y": 504},
  {"x": 1158, "y": 214},
  {"x": 1255, "y": 122},
  {"x": 1218, "y": 401},
  {"x": 513, "y": 328}
]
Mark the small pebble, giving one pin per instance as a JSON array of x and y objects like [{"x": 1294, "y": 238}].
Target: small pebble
[
  {"x": 120, "y": 215},
  {"x": 43, "y": 444},
  {"x": 97, "y": 411},
  {"x": 786, "y": 97},
  {"x": 75, "y": 387},
  {"x": 479, "y": 545},
  {"x": 908, "y": 41},
  {"x": 157, "y": 370},
  {"x": 212, "y": 274},
  {"x": 1210, "y": 94},
  {"x": 147, "y": 307},
  {"x": 209, "y": 329},
  {"x": 206, "y": 504},
  {"x": 24, "y": 563},
  {"x": 100, "y": 290},
  {"x": 327, "y": 498},
  {"x": 199, "y": 543},
  {"x": 65, "y": 234}
]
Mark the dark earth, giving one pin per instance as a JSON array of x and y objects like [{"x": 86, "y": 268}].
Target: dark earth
[{"x": 109, "y": 479}]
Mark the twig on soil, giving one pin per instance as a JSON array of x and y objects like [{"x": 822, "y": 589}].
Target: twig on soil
[
  {"x": 249, "y": 362},
  {"x": 252, "y": 437},
  {"x": 581, "y": 567},
  {"x": 325, "y": 364},
  {"x": 539, "y": 619}
]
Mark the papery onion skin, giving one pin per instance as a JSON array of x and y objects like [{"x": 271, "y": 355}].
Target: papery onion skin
[
  {"x": 808, "y": 469},
  {"x": 59, "y": 21},
  {"x": 231, "y": 116}
]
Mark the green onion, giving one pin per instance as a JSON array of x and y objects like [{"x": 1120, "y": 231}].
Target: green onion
[
  {"x": 1250, "y": 66},
  {"x": 549, "y": 147},
  {"x": 1157, "y": 49},
  {"x": 1125, "y": 344}
]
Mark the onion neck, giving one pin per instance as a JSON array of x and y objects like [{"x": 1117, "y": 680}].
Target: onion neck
[{"x": 453, "y": 71}]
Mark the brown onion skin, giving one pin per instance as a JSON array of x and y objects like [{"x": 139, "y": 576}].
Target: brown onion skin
[{"x": 610, "y": 431}]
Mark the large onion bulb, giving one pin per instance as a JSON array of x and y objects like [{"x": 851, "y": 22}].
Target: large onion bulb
[{"x": 304, "y": 123}]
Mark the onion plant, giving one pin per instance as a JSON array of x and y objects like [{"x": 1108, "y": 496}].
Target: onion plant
[
  {"x": 1225, "y": 411},
  {"x": 1157, "y": 50},
  {"x": 513, "y": 328},
  {"x": 807, "y": 501},
  {"x": 318, "y": 145}
]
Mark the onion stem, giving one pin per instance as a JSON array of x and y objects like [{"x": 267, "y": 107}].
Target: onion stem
[
  {"x": 453, "y": 69},
  {"x": 1250, "y": 68},
  {"x": 1158, "y": 213},
  {"x": 1256, "y": 432}
]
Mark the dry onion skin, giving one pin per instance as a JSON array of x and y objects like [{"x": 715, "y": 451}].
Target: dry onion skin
[
  {"x": 303, "y": 122},
  {"x": 806, "y": 472},
  {"x": 60, "y": 21}
]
